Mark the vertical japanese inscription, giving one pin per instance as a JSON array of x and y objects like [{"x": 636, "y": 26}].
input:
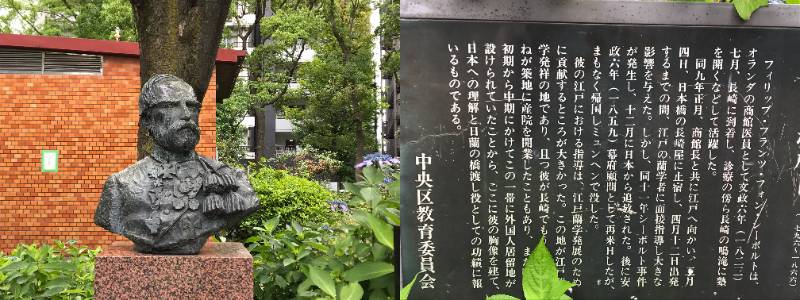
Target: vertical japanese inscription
[
  {"x": 425, "y": 208},
  {"x": 646, "y": 165}
]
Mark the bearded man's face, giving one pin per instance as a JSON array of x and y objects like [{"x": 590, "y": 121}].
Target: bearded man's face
[{"x": 172, "y": 121}]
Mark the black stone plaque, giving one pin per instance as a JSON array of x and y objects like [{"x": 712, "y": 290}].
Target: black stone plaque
[{"x": 664, "y": 166}]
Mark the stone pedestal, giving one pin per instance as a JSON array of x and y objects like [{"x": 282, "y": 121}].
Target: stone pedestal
[{"x": 219, "y": 271}]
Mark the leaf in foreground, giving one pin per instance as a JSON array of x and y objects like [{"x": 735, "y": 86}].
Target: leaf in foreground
[
  {"x": 368, "y": 270},
  {"x": 352, "y": 291},
  {"x": 540, "y": 277},
  {"x": 745, "y": 8},
  {"x": 323, "y": 280},
  {"x": 407, "y": 289}
]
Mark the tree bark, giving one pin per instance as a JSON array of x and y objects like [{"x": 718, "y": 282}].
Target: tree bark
[
  {"x": 265, "y": 134},
  {"x": 178, "y": 37}
]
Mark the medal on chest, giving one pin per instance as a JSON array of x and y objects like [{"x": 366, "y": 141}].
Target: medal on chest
[{"x": 175, "y": 188}]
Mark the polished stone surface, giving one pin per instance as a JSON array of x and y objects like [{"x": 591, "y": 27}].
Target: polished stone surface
[{"x": 218, "y": 271}]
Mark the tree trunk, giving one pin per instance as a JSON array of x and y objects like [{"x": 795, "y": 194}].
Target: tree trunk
[
  {"x": 178, "y": 37},
  {"x": 264, "y": 115}
]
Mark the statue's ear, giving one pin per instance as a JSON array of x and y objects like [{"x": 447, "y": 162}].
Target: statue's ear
[{"x": 145, "y": 120}]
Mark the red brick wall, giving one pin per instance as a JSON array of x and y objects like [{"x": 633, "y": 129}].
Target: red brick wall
[{"x": 92, "y": 121}]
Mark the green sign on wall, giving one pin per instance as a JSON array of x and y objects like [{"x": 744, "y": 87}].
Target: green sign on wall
[{"x": 49, "y": 160}]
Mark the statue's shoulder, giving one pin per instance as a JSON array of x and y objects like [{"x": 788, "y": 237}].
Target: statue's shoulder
[
  {"x": 118, "y": 189},
  {"x": 217, "y": 165},
  {"x": 134, "y": 173}
]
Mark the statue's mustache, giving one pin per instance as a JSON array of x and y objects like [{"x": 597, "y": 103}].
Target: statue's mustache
[{"x": 191, "y": 125}]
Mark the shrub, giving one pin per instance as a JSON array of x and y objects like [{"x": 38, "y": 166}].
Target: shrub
[
  {"x": 61, "y": 271},
  {"x": 288, "y": 197},
  {"x": 279, "y": 254},
  {"x": 350, "y": 259},
  {"x": 308, "y": 163}
]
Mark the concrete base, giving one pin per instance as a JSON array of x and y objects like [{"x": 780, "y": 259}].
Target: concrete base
[{"x": 219, "y": 271}]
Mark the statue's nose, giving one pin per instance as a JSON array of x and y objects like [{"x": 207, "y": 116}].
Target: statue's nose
[{"x": 185, "y": 113}]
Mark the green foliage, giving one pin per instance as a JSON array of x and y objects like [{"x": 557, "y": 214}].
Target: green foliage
[
  {"x": 340, "y": 104},
  {"x": 745, "y": 8},
  {"x": 308, "y": 163},
  {"x": 540, "y": 278},
  {"x": 231, "y": 134},
  {"x": 340, "y": 108},
  {"x": 279, "y": 255},
  {"x": 274, "y": 64},
  {"x": 389, "y": 31},
  {"x": 94, "y": 19},
  {"x": 60, "y": 271},
  {"x": 272, "y": 67},
  {"x": 333, "y": 107},
  {"x": 406, "y": 290},
  {"x": 288, "y": 197},
  {"x": 343, "y": 260}
]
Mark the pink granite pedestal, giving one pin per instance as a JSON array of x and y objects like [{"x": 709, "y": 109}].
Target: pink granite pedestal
[{"x": 219, "y": 271}]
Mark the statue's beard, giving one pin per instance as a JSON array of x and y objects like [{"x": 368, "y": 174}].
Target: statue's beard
[{"x": 180, "y": 136}]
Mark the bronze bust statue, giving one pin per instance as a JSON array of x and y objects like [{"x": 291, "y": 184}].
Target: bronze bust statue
[{"x": 171, "y": 201}]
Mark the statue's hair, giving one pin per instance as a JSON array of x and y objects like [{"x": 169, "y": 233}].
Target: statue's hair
[{"x": 150, "y": 90}]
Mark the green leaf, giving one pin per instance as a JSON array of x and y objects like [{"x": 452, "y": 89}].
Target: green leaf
[
  {"x": 745, "y": 8},
  {"x": 394, "y": 186},
  {"x": 379, "y": 294},
  {"x": 252, "y": 239},
  {"x": 393, "y": 215},
  {"x": 565, "y": 297},
  {"x": 501, "y": 297},
  {"x": 51, "y": 292},
  {"x": 288, "y": 261},
  {"x": 538, "y": 273},
  {"x": 62, "y": 283},
  {"x": 368, "y": 270},
  {"x": 560, "y": 288},
  {"x": 373, "y": 175},
  {"x": 406, "y": 290},
  {"x": 361, "y": 216},
  {"x": 15, "y": 266},
  {"x": 352, "y": 291},
  {"x": 302, "y": 288},
  {"x": 792, "y": 1},
  {"x": 323, "y": 280},
  {"x": 60, "y": 266},
  {"x": 271, "y": 224},
  {"x": 297, "y": 227},
  {"x": 540, "y": 276},
  {"x": 383, "y": 231},
  {"x": 372, "y": 195},
  {"x": 380, "y": 283},
  {"x": 352, "y": 188}
]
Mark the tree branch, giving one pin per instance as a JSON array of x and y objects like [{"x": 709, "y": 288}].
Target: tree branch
[
  {"x": 335, "y": 31},
  {"x": 290, "y": 73},
  {"x": 70, "y": 9},
  {"x": 21, "y": 16}
]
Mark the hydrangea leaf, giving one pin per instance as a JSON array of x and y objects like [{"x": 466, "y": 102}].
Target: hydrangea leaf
[
  {"x": 540, "y": 276},
  {"x": 745, "y": 8}
]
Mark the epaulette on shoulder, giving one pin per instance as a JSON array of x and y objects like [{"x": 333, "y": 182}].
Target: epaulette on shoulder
[{"x": 214, "y": 164}]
